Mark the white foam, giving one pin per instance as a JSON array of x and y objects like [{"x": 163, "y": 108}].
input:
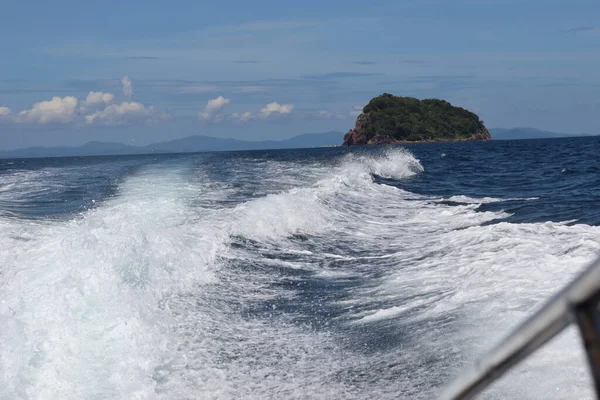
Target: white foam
[
  {"x": 491, "y": 276},
  {"x": 396, "y": 163},
  {"x": 298, "y": 211},
  {"x": 80, "y": 300},
  {"x": 144, "y": 296},
  {"x": 484, "y": 200},
  {"x": 18, "y": 186},
  {"x": 391, "y": 312}
]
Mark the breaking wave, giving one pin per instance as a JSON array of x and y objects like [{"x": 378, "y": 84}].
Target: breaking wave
[{"x": 280, "y": 280}]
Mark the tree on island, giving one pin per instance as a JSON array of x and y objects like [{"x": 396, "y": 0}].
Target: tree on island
[{"x": 392, "y": 119}]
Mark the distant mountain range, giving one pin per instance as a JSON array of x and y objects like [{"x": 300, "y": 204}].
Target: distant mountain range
[
  {"x": 199, "y": 143},
  {"x": 527, "y": 133},
  {"x": 188, "y": 144}
]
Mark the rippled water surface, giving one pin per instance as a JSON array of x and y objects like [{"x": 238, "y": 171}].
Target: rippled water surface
[{"x": 346, "y": 273}]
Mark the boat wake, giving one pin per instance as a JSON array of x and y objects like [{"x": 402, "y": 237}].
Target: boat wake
[{"x": 277, "y": 279}]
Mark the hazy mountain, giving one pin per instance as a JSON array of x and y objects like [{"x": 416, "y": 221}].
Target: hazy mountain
[
  {"x": 196, "y": 143},
  {"x": 208, "y": 143},
  {"x": 526, "y": 133},
  {"x": 188, "y": 144},
  {"x": 314, "y": 140}
]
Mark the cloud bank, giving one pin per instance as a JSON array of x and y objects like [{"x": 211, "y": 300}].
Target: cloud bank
[
  {"x": 121, "y": 114},
  {"x": 103, "y": 108},
  {"x": 214, "y": 107},
  {"x": 97, "y": 108}
]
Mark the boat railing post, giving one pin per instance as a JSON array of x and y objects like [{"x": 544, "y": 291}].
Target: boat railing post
[
  {"x": 578, "y": 302},
  {"x": 588, "y": 319}
]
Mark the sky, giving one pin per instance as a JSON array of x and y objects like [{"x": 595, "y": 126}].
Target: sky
[{"x": 139, "y": 72}]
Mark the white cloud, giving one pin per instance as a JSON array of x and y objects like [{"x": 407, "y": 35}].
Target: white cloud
[
  {"x": 245, "y": 116},
  {"x": 57, "y": 110},
  {"x": 96, "y": 108},
  {"x": 356, "y": 111},
  {"x": 97, "y": 99},
  {"x": 5, "y": 112},
  {"x": 275, "y": 107},
  {"x": 122, "y": 114},
  {"x": 127, "y": 86},
  {"x": 211, "y": 111},
  {"x": 218, "y": 103}
]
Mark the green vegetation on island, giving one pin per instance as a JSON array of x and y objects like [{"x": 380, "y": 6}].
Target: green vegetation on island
[{"x": 393, "y": 119}]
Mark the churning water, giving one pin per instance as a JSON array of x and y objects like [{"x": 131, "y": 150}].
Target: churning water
[{"x": 305, "y": 274}]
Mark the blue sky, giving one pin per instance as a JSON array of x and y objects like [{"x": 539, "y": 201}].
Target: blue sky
[{"x": 144, "y": 71}]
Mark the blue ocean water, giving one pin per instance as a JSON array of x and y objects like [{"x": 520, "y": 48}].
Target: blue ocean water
[{"x": 310, "y": 273}]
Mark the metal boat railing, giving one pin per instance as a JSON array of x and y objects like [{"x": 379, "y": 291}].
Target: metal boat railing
[{"x": 577, "y": 303}]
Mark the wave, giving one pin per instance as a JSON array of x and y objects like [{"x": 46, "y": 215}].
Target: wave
[
  {"x": 394, "y": 163},
  {"x": 484, "y": 200},
  {"x": 310, "y": 281},
  {"x": 81, "y": 311}
]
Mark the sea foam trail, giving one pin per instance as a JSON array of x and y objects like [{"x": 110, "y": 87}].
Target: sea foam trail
[
  {"x": 80, "y": 300},
  {"x": 438, "y": 262},
  {"x": 286, "y": 280},
  {"x": 434, "y": 262},
  {"x": 96, "y": 317}
]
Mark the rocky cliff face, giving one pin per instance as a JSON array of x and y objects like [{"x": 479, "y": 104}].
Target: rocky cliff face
[
  {"x": 358, "y": 135},
  {"x": 361, "y": 134}
]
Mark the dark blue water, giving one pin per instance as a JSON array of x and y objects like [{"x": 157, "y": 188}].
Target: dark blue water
[
  {"x": 562, "y": 174},
  {"x": 309, "y": 273}
]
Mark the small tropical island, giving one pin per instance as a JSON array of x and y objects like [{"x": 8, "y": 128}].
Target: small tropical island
[{"x": 389, "y": 119}]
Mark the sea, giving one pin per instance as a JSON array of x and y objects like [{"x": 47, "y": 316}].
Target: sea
[{"x": 331, "y": 273}]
